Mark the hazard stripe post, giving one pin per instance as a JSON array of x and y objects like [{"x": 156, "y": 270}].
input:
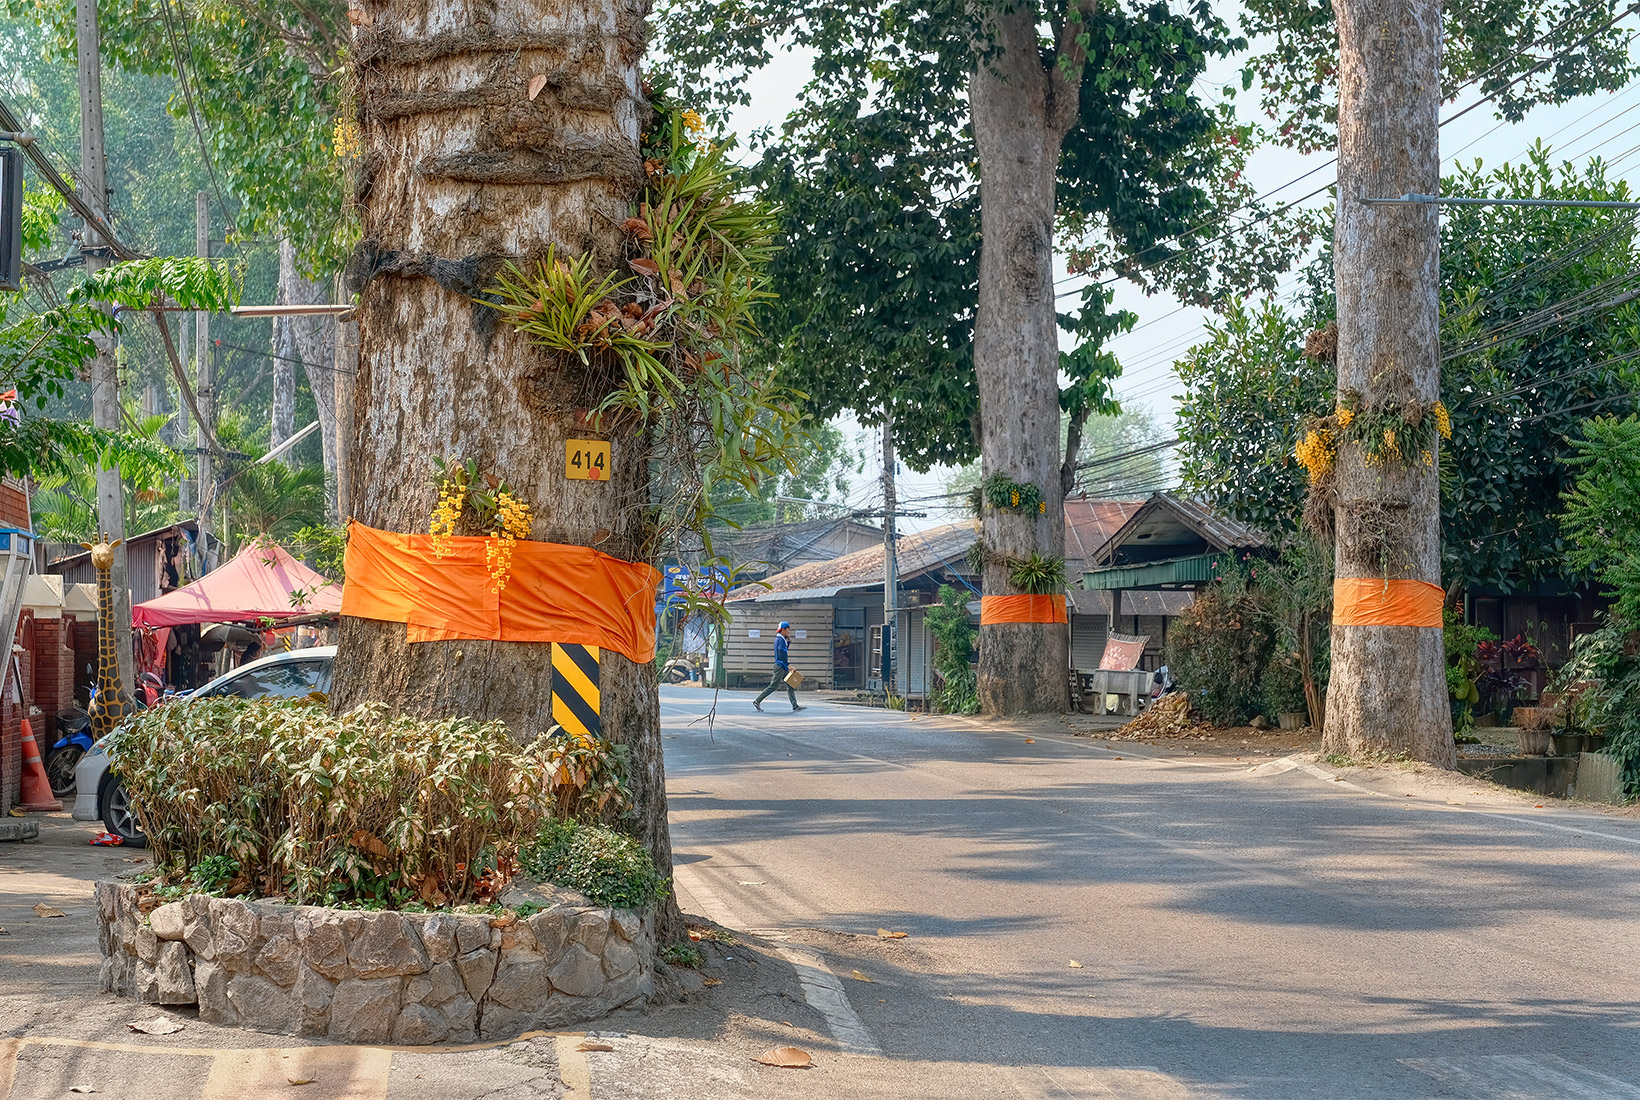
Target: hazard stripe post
[{"x": 575, "y": 702}]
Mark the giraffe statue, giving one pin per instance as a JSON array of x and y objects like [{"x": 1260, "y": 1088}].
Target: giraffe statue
[{"x": 112, "y": 705}]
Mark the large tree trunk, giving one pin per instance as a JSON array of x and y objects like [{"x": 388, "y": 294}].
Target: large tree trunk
[
  {"x": 1020, "y": 118},
  {"x": 1388, "y": 688},
  {"x": 312, "y": 339},
  {"x": 464, "y": 171}
]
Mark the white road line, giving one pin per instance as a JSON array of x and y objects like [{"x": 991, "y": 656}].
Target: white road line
[
  {"x": 1523, "y": 1077},
  {"x": 826, "y": 995},
  {"x": 821, "y": 988}
]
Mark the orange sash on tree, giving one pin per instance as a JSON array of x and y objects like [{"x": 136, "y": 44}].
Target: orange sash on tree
[{"x": 555, "y": 593}]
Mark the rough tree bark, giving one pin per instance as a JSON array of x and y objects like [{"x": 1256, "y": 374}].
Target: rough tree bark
[
  {"x": 1022, "y": 110},
  {"x": 462, "y": 170},
  {"x": 1388, "y": 687}
]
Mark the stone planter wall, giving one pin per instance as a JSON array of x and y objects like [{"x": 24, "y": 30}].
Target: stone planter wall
[{"x": 373, "y": 977}]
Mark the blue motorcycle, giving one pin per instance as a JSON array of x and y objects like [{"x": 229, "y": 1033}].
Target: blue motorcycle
[
  {"x": 73, "y": 740},
  {"x": 74, "y": 737}
]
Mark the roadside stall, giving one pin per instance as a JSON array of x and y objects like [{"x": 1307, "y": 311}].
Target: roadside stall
[{"x": 235, "y": 613}]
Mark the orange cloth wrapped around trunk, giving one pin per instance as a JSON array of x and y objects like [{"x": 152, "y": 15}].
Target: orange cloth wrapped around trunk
[
  {"x": 1373, "y": 601},
  {"x": 1022, "y": 609},
  {"x": 555, "y": 593}
]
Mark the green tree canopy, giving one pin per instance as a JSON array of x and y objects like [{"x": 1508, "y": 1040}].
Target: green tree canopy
[
  {"x": 1536, "y": 335},
  {"x": 1519, "y": 54},
  {"x": 876, "y": 175}
]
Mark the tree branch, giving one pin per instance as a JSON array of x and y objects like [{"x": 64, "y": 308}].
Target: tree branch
[
  {"x": 1070, "y": 59},
  {"x": 187, "y": 389}
]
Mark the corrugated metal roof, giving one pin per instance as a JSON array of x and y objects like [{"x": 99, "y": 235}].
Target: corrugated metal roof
[
  {"x": 1089, "y": 524},
  {"x": 917, "y": 553},
  {"x": 1085, "y": 602},
  {"x": 1171, "y": 519}
]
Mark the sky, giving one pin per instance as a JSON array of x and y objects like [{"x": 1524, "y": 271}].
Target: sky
[{"x": 1166, "y": 330}]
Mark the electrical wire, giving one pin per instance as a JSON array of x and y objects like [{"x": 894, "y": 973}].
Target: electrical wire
[
  {"x": 1125, "y": 260},
  {"x": 193, "y": 113}
]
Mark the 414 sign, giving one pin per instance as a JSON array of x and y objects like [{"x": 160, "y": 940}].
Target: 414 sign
[{"x": 586, "y": 459}]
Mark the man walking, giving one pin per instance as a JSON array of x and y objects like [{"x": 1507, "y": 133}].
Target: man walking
[{"x": 782, "y": 666}]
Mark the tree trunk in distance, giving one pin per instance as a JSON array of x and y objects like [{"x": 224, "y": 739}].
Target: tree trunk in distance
[
  {"x": 347, "y": 359},
  {"x": 458, "y": 182},
  {"x": 1388, "y": 692},
  {"x": 283, "y": 419},
  {"x": 1023, "y": 667},
  {"x": 312, "y": 341}
]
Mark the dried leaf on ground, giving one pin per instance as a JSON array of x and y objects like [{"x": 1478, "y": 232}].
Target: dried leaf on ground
[
  {"x": 81, "y": 1088},
  {"x": 787, "y": 1058},
  {"x": 1166, "y": 717},
  {"x": 1075, "y": 965},
  {"x": 885, "y": 934},
  {"x": 593, "y": 1044},
  {"x": 300, "y": 1080},
  {"x": 41, "y": 909},
  {"x": 537, "y": 82},
  {"x": 710, "y": 982},
  {"x": 159, "y": 1025},
  {"x": 859, "y": 977}
]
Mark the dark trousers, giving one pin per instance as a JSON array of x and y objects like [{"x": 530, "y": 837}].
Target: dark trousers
[{"x": 775, "y": 684}]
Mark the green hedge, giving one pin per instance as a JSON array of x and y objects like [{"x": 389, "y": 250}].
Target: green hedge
[
  {"x": 327, "y": 809},
  {"x": 610, "y": 868}
]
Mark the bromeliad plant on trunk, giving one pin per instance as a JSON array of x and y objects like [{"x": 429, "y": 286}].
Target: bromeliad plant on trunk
[
  {"x": 666, "y": 335},
  {"x": 498, "y": 174}
]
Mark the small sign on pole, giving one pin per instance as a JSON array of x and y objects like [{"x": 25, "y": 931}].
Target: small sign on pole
[
  {"x": 586, "y": 459},
  {"x": 11, "y": 218}
]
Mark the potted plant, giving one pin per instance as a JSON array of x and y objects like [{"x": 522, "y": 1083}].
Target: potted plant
[{"x": 1283, "y": 690}]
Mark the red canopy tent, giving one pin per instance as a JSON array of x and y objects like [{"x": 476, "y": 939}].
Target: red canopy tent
[{"x": 258, "y": 583}]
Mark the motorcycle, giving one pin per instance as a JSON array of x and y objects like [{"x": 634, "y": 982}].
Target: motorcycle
[
  {"x": 74, "y": 737},
  {"x": 73, "y": 741}
]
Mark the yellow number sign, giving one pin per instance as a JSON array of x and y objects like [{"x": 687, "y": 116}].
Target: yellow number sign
[{"x": 586, "y": 459}]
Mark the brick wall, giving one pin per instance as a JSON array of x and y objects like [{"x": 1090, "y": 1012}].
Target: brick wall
[
  {"x": 52, "y": 682},
  {"x": 13, "y": 513}
]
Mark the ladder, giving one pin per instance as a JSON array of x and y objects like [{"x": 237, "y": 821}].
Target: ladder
[{"x": 16, "y": 560}]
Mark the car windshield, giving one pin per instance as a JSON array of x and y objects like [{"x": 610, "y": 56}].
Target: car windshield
[{"x": 287, "y": 679}]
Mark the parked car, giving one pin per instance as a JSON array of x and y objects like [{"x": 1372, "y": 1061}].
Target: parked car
[{"x": 100, "y": 794}]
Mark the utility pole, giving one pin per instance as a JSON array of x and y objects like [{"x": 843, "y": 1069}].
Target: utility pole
[
  {"x": 204, "y": 381},
  {"x": 105, "y": 374},
  {"x": 183, "y": 429},
  {"x": 891, "y": 569},
  {"x": 346, "y": 362}
]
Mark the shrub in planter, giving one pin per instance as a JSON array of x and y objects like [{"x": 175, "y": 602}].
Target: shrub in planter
[
  {"x": 326, "y": 809},
  {"x": 610, "y": 868}
]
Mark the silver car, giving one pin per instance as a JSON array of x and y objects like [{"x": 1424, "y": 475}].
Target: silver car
[{"x": 100, "y": 794}]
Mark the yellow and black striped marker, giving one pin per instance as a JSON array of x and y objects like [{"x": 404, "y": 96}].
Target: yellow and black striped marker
[{"x": 575, "y": 703}]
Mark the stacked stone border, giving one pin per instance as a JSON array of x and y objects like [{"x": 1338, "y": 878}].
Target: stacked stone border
[{"x": 373, "y": 977}]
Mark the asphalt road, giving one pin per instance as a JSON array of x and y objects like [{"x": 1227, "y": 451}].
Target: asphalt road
[
  {"x": 1262, "y": 934},
  {"x": 1088, "y": 920}
]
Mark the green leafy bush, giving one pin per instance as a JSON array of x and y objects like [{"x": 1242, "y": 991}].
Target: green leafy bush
[
  {"x": 610, "y": 868},
  {"x": 954, "y": 637},
  {"x": 1603, "y": 676},
  {"x": 1219, "y": 649},
  {"x": 327, "y": 809}
]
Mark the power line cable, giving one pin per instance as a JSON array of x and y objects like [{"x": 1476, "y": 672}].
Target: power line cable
[
  {"x": 1625, "y": 13},
  {"x": 193, "y": 113}
]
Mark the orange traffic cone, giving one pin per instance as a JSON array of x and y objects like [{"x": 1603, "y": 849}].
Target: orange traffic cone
[{"x": 37, "y": 797}]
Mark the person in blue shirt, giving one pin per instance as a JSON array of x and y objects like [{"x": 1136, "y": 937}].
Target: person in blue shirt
[{"x": 782, "y": 665}]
